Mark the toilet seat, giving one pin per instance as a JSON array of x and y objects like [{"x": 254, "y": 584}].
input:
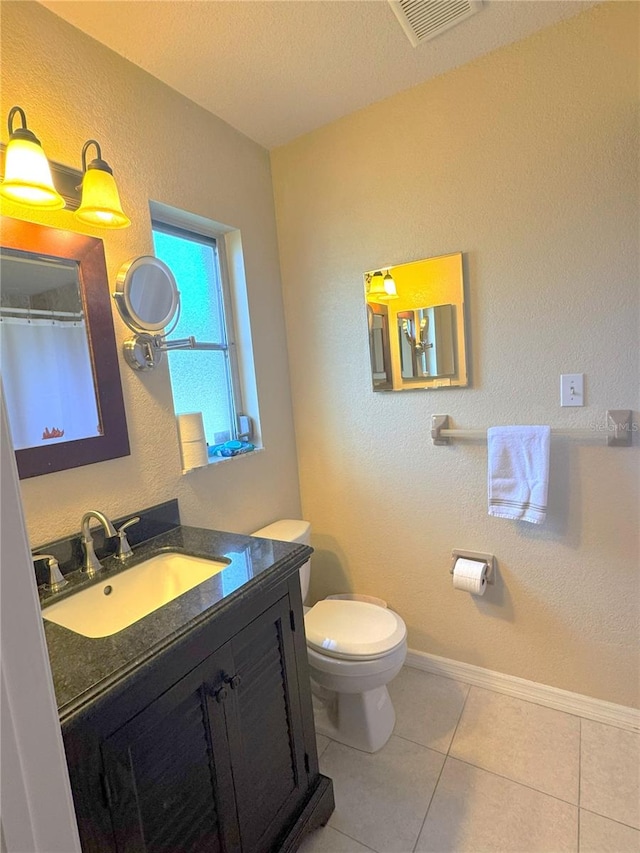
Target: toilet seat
[
  {"x": 353, "y": 671},
  {"x": 353, "y": 630}
]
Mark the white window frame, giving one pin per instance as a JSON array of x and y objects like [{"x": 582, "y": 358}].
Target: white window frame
[{"x": 187, "y": 225}]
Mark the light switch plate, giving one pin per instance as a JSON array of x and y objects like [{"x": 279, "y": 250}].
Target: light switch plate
[{"x": 572, "y": 389}]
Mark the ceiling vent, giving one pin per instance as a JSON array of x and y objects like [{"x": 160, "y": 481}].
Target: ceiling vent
[{"x": 425, "y": 19}]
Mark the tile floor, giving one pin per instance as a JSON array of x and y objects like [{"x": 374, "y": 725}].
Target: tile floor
[{"x": 471, "y": 771}]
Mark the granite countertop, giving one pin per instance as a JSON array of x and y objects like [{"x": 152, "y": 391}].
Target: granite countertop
[{"x": 84, "y": 668}]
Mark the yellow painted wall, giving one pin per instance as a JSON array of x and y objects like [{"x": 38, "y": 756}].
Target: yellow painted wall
[
  {"x": 163, "y": 147},
  {"x": 527, "y": 161}
]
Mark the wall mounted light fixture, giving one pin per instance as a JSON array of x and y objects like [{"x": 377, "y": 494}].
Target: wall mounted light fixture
[
  {"x": 27, "y": 175},
  {"x": 100, "y": 203},
  {"x": 28, "y": 180}
]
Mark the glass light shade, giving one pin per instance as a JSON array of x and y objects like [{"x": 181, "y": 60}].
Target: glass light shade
[
  {"x": 100, "y": 203},
  {"x": 377, "y": 285},
  {"x": 390, "y": 287},
  {"x": 27, "y": 176}
]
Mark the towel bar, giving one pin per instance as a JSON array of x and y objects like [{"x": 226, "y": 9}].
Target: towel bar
[{"x": 618, "y": 429}]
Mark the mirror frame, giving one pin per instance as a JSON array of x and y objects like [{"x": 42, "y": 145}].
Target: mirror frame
[{"x": 93, "y": 283}]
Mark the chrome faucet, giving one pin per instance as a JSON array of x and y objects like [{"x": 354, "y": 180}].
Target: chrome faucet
[
  {"x": 91, "y": 564},
  {"x": 56, "y": 578}
]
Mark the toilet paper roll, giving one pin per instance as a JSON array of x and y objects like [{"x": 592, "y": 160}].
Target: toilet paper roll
[
  {"x": 191, "y": 426},
  {"x": 194, "y": 454},
  {"x": 470, "y": 576}
]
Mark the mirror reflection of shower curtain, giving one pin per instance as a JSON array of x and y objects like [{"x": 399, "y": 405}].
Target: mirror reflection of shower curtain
[{"x": 48, "y": 381}]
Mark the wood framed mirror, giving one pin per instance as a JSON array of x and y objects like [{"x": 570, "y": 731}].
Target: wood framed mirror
[{"x": 60, "y": 371}]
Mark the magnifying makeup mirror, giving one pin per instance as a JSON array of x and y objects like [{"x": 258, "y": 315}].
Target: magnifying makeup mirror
[
  {"x": 148, "y": 300},
  {"x": 146, "y": 294}
]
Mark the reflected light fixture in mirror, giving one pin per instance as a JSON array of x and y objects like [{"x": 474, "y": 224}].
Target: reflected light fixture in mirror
[
  {"x": 390, "y": 286},
  {"x": 381, "y": 288},
  {"x": 100, "y": 203},
  {"x": 27, "y": 178},
  {"x": 376, "y": 286}
]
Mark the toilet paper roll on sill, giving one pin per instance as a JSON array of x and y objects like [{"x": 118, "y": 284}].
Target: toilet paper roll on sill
[
  {"x": 190, "y": 426},
  {"x": 194, "y": 454}
]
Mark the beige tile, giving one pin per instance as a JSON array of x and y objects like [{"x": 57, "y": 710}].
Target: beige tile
[
  {"x": 477, "y": 812},
  {"x": 601, "y": 835},
  {"x": 527, "y": 743},
  {"x": 322, "y": 742},
  {"x": 427, "y": 707},
  {"x": 610, "y": 771},
  {"x": 329, "y": 840},
  {"x": 382, "y": 798}
]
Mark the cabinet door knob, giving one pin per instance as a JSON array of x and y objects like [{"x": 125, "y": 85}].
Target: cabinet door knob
[
  {"x": 234, "y": 681},
  {"x": 221, "y": 694}
]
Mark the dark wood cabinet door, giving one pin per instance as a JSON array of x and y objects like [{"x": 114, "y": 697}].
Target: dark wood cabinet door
[
  {"x": 264, "y": 727},
  {"x": 167, "y": 772}
]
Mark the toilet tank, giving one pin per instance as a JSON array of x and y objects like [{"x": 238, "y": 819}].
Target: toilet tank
[{"x": 291, "y": 530}]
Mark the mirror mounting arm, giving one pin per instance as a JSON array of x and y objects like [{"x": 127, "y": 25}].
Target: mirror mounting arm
[
  {"x": 144, "y": 351},
  {"x": 161, "y": 342},
  {"x": 186, "y": 343}
]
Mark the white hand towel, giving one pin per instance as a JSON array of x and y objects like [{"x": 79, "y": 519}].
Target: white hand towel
[{"x": 519, "y": 472}]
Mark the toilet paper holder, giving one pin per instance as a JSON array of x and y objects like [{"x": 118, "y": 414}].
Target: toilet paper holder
[{"x": 489, "y": 559}]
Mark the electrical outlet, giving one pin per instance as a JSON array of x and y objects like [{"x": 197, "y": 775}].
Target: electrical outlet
[{"x": 572, "y": 389}]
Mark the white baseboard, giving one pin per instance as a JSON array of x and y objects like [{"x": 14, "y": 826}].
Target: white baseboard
[{"x": 553, "y": 697}]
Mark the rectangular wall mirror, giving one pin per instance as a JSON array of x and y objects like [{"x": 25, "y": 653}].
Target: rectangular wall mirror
[
  {"x": 416, "y": 324},
  {"x": 60, "y": 373}
]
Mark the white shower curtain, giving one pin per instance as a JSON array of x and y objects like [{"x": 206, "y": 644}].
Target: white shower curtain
[{"x": 48, "y": 381}]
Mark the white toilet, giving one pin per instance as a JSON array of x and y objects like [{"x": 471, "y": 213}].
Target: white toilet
[{"x": 355, "y": 648}]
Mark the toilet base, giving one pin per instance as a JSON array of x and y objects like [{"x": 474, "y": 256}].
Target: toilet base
[{"x": 362, "y": 720}]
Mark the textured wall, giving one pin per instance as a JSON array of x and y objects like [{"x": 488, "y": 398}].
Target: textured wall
[
  {"x": 525, "y": 160},
  {"x": 161, "y": 147}
]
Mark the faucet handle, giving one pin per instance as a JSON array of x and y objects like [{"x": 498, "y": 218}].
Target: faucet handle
[
  {"x": 124, "y": 549},
  {"x": 56, "y": 579}
]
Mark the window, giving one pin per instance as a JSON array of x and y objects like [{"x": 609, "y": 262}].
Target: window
[{"x": 204, "y": 379}]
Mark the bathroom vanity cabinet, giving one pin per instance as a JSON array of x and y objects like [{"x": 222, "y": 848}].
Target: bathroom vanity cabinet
[{"x": 209, "y": 744}]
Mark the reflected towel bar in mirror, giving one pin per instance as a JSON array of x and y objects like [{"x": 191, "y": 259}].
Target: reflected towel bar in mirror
[{"x": 618, "y": 429}]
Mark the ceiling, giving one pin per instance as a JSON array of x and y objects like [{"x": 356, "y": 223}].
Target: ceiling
[{"x": 276, "y": 69}]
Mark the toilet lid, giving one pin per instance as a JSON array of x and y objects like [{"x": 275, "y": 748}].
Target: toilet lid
[{"x": 342, "y": 628}]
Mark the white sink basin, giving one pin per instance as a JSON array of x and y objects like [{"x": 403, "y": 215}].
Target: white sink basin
[{"x": 117, "y": 602}]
